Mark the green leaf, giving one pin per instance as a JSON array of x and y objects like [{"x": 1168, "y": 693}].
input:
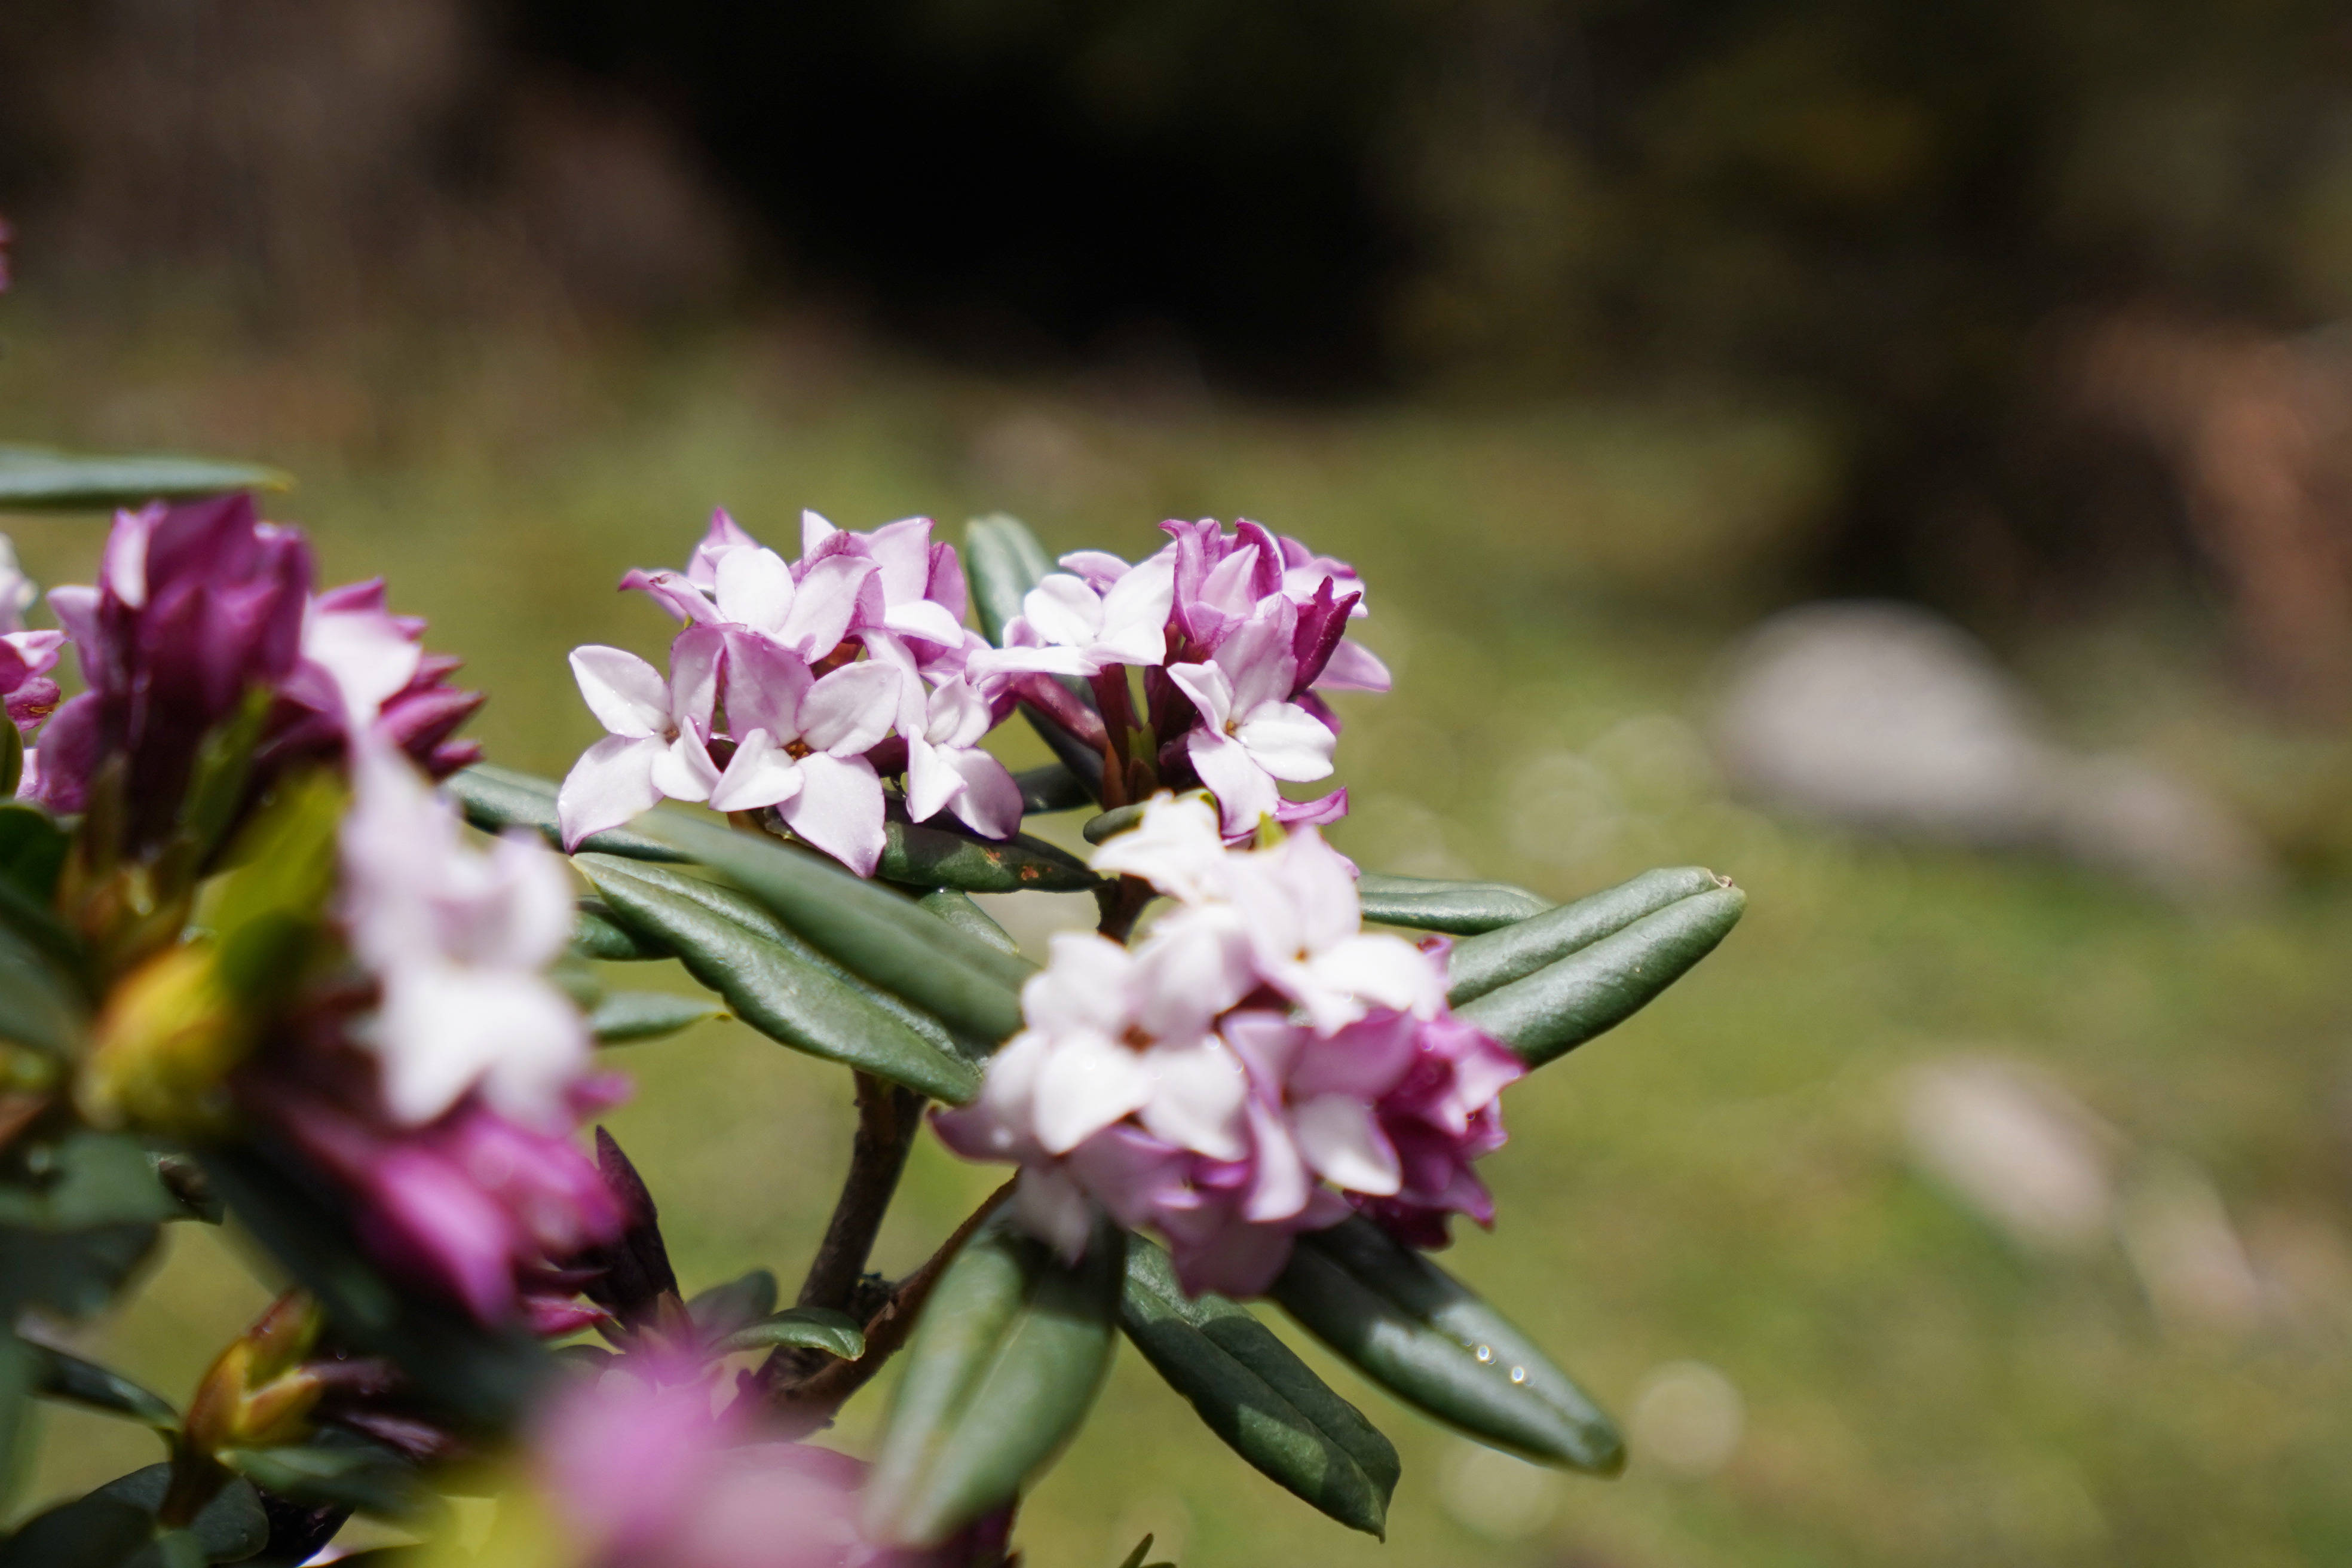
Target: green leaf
[
  {"x": 216, "y": 783},
  {"x": 494, "y": 799},
  {"x": 1463, "y": 909},
  {"x": 360, "y": 1477},
  {"x": 1254, "y": 1392},
  {"x": 39, "y": 1004},
  {"x": 776, "y": 990},
  {"x": 596, "y": 934},
  {"x": 882, "y": 939},
  {"x": 1479, "y": 965},
  {"x": 723, "y": 1309},
  {"x": 1135, "y": 1559},
  {"x": 16, "y": 1373},
  {"x": 87, "y": 1179},
  {"x": 229, "y": 1527},
  {"x": 73, "y": 1274},
  {"x": 1005, "y": 1362},
  {"x": 95, "y": 1532},
  {"x": 1427, "y": 1338},
  {"x": 1561, "y": 1007},
  {"x": 12, "y": 760},
  {"x": 474, "y": 1372},
  {"x": 956, "y": 907},
  {"x": 624, "y": 1016},
  {"x": 1112, "y": 824},
  {"x": 1004, "y": 561},
  {"x": 39, "y": 478},
  {"x": 921, "y": 856},
  {"x": 33, "y": 848},
  {"x": 1051, "y": 788},
  {"x": 78, "y": 1382},
  {"x": 815, "y": 1328}
]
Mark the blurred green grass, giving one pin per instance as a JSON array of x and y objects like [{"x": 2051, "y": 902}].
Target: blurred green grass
[{"x": 1722, "y": 1180}]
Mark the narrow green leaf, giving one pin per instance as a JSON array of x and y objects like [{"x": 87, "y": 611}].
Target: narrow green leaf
[
  {"x": 1004, "y": 561},
  {"x": 723, "y": 1309},
  {"x": 16, "y": 1373},
  {"x": 229, "y": 1527},
  {"x": 1051, "y": 788},
  {"x": 12, "y": 760},
  {"x": 1112, "y": 824},
  {"x": 1463, "y": 909},
  {"x": 1005, "y": 1362},
  {"x": 1427, "y": 1338},
  {"x": 921, "y": 856},
  {"x": 777, "y": 991},
  {"x": 883, "y": 938},
  {"x": 596, "y": 934},
  {"x": 91, "y": 1179},
  {"x": 39, "y": 478},
  {"x": 1253, "y": 1392},
  {"x": 363, "y": 1478},
  {"x": 625, "y": 1016},
  {"x": 730, "y": 903},
  {"x": 1559, "y": 1008},
  {"x": 61, "y": 1376},
  {"x": 494, "y": 799},
  {"x": 70, "y": 1274},
  {"x": 38, "y": 1002},
  {"x": 955, "y": 906},
  {"x": 813, "y": 1328},
  {"x": 32, "y": 847},
  {"x": 95, "y": 1532},
  {"x": 1479, "y": 965}
]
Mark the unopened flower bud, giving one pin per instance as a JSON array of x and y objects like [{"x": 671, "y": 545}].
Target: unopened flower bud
[
  {"x": 258, "y": 1394},
  {"x": 168, "y": 1037}
]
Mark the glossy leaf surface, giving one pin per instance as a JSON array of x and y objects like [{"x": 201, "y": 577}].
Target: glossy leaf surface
[
  {"x": 776, "y": 990},
  {"x": 1562, "y": 1005},
  {"x": 1428, "y": 1338},
  {"x": 494, "y": 799},
  {"x": 39, "y": 478},
  {"x": 622, "y": 1017},
  {"x": 1005, "y": 1362},
  {"x": 1479, "y": 965},
  {"x": 1252, "y": 1391},
  {"x": 1461, "y": 909}
]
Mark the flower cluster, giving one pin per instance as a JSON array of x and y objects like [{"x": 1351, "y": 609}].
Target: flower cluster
[
  {"x": 457, "y": 1148},
  {"x": 1237, "y": 634},
  {"x": 195, "y": 607},
  {"x": 794, "y": 686},
  {"x": 1257, "y": 1064}
]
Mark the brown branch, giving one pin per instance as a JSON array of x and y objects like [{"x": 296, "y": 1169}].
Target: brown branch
[
  {"x": 808, "y": 1404},
  {"x": 888, "y": 1118}
]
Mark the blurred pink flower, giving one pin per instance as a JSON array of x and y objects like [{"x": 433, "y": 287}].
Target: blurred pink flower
[{"x": 457, "y": 940}]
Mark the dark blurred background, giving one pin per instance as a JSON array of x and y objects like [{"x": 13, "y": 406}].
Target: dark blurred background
[
  {"x": 2054, "y": 283},
  {"x": 1987, "y": 1198}
]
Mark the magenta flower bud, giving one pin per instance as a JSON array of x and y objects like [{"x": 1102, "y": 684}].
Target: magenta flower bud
[{"x": 195, "y": 606}]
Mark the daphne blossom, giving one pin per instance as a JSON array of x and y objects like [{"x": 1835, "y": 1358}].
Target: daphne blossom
[
  {"x": 1250, "y": 734},
  {"x": 800, "y": 744},
  {"x": 1257, "y": 1066},
  {"x": 459, "y": 940},
  {"x": 657, "y": 740}
]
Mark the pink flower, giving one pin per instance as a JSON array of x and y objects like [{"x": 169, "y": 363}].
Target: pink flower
[
  {"x": 659, "y": 733},
  {"x": 800, "y": 740},
  {"x": 196, "y": 605},
  {"x": 364, "y": 672},
  {"x": 641, "y": 1473},
  {"x": 947, "y": 771},
  {"x": 1074, "y": 624},
  {"x": 472, "y": 1205},
  {"x": 458, "y": 941},
  {"x": 1250, "y": 734},
  {"x": 1256, "y": 1065}
]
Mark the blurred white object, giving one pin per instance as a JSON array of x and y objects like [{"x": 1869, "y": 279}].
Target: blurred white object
[
  {"x": 2014, "y": 1147},
  {"x": 2188, "y": 1254},
  {"x": 1688, "y": 1419},
  {"x": 1031, "y": 918},
  {"x": 1889, "y": 719},
  {"x": 1500, "y": 1496}
]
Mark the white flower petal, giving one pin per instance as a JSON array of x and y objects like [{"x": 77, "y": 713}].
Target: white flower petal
[
  {"x": 1344, "y": 1144},
  {"x": 760, "y": 774},
  {"x": 1063, "y": 610},
  {"x": 627, "y": 695},
  {"x": 839, "y": 810},
  {"x": 1197, "y": 1091},
  {"x": 1287, "y": 742},
  {"x": 755, "y": 589},
  {"x": 612, "y": 781},
  {"x": 1091, "y": 1082}
]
